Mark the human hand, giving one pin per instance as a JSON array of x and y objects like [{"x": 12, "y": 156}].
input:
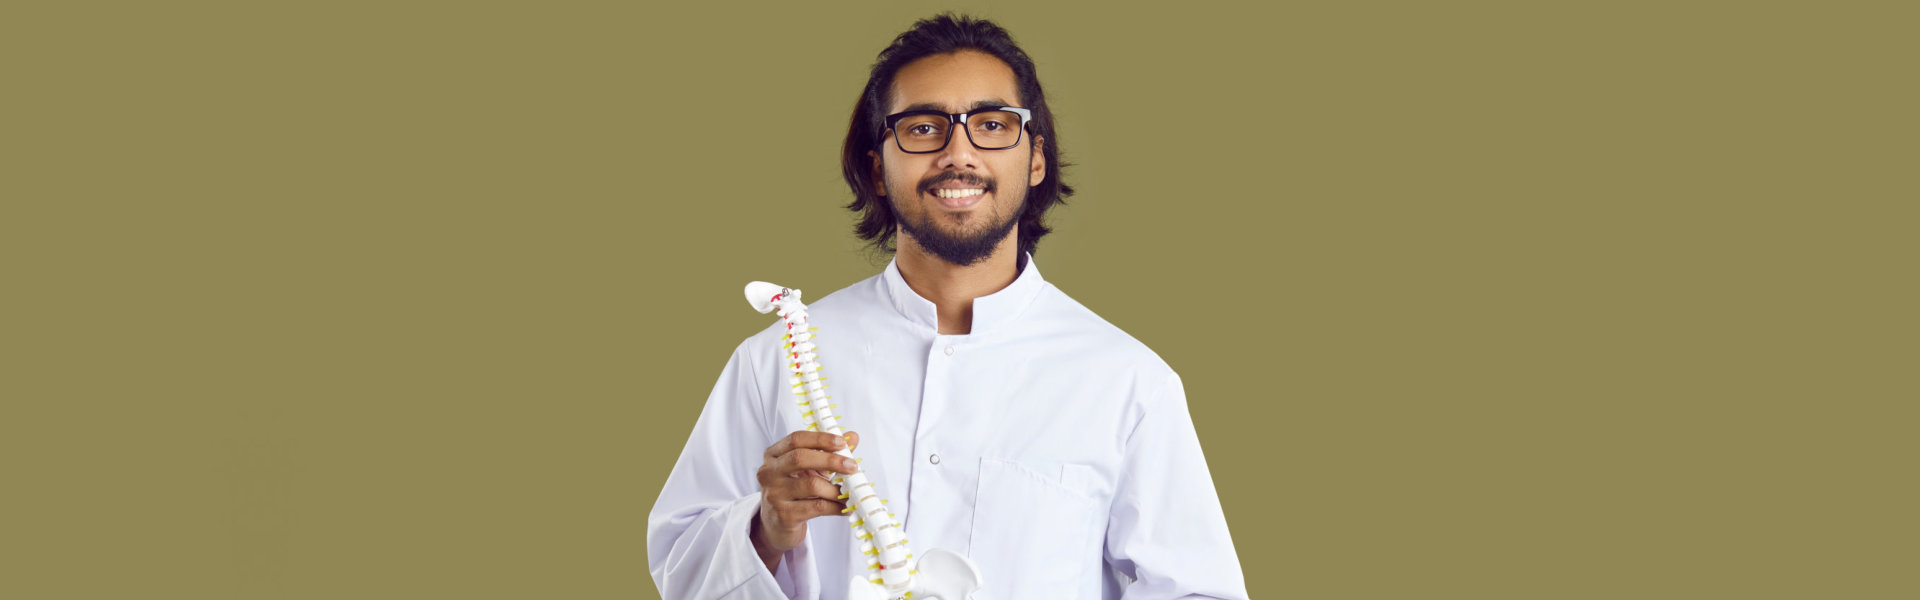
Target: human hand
[{"x": 795, "y": 487}]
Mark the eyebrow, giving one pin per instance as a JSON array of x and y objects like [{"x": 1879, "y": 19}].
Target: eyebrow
[{"x": 988, "y": 103}]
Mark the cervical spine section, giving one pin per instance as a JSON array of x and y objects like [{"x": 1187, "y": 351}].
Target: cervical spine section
[{"x": 883, "y": 542}]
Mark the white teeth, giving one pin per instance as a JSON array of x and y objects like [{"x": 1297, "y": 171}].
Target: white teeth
[{"x": 944, "y": 193}]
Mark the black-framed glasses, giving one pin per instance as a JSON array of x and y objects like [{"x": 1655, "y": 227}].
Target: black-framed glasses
[{"x": 989, "y": 128}]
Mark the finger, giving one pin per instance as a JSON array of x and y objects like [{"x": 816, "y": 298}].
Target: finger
[
  {"x": 814, "y": 508},
  {"x": 853, "y": 440},
  {"x": 806, "y": 474},
  {"x": 818, "y": 440},
  {"x": 782, "y": 447},
  {"x": 797, "y": 462},
  {"x": 807, "y": 489},
  {"x": 788, "y": 512},
  {"x": 824, "y": 490}
]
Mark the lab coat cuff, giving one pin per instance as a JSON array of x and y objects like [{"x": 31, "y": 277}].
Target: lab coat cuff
[
  {"x": 796, "y": 572},
  {"x": 795, "y": 575}
]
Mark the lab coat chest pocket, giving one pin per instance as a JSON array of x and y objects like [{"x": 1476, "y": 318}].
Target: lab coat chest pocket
[{"x": 1031, "y": 529}]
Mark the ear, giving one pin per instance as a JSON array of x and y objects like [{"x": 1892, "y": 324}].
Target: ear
[
  {"x": 879, "y": 174},
  {"x": 1038, "y": 172}
]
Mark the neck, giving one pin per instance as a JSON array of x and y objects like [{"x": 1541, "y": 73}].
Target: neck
[{"x": 952, "y": 287}]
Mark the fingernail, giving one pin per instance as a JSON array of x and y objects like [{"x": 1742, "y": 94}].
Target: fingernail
[
  {"x": 846, "y": 465},
  {"x": 839, "y": 442}
]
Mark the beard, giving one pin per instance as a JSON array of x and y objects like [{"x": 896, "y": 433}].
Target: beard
[{"x": 961, "y": 247}]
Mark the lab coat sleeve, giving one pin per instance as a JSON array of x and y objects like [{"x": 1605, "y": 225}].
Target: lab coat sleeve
[
  {"x": 697, "y": 533},
  {"x": 1166, "y": 530}
]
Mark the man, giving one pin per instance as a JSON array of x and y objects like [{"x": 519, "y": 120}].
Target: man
[{"x": 1001, "y": 419}]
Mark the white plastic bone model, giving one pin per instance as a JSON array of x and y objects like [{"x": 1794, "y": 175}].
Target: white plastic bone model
[{"x": 940, "y": 575}]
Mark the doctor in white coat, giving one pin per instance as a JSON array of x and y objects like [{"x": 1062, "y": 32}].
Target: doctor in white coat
[{"x": 1003, "y": 420}]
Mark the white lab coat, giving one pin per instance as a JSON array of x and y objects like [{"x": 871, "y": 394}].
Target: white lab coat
[{"x": 1046, "y": 445}]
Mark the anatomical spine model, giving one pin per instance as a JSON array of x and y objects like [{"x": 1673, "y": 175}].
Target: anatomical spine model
[{"x": 894, "y": 573}]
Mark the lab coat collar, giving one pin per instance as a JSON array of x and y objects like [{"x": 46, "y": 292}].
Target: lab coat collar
[{"x": 989, "y": 311}]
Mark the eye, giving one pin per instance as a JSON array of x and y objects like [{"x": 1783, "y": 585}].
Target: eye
[
  {"x": 994, "y": 126},
  {"x": 922, "y": 129}
]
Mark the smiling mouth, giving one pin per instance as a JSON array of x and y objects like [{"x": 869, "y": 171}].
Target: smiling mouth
[
  {"x": 958, "y": 199},
  {"x": 951, "y": 194}
]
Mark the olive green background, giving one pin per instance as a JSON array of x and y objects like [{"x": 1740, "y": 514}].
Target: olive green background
[{"x": 1473, "y": 300}]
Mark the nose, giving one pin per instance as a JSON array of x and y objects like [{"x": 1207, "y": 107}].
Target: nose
[{"x": 959, "y": 153}]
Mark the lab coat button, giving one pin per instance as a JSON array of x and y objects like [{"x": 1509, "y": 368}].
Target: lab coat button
[
  {"x": 949, "y": 350},
  {"x": 934, "y": 458}
]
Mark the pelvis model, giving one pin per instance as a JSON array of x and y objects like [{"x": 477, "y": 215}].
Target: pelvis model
[{"x": 895, "y": 573}]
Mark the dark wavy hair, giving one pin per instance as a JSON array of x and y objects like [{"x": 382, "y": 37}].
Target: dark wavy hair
[{"x": 945, "y": 34}]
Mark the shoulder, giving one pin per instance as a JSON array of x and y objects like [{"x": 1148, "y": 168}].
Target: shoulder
[
  {"x": 860, "y": 298},
  {"x": 845, "y": 305},
  {"x": 1061, "y": 319},
  {"x": 758, "y": 369},
  {"x": 1129, "y": 377}
]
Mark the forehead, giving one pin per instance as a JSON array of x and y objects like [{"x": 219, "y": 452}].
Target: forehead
[{"x": 954, "y": 82}]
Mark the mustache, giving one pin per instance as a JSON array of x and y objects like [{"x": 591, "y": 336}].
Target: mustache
[{"x": 927, "y": 185}]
